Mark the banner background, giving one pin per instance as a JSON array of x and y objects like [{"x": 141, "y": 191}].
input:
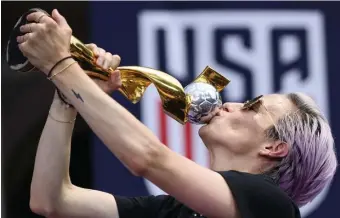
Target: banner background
[
  {"x": 128, "y": 24},
  {"x": 173, "y": 37}
]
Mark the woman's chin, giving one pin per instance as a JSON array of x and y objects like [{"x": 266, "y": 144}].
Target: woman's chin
[{"x": 204, "y": 131}]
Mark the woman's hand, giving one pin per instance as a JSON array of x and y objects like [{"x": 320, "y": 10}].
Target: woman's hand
[
  {"x": 46, "y": 40},
  {"x": 107, "y": 60}
]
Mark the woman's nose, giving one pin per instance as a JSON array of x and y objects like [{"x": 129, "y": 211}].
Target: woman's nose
[{"x": 232, "y": 106}]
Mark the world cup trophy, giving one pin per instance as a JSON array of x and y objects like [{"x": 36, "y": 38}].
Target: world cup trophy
[{"x": 189, "y": 104}]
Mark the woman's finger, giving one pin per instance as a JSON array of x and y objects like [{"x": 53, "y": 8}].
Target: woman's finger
[
  {"x": 24, "y": 38},
  {"x": 107, "y": 60},
  {"x": 40, "y": 17},
  {"x": 115, "y": 61},
  {"x": 23, "y": 48},
  {"x": 101, "y": 57},
  {"x": 101, "y": 52},
  {"x": 115, "y": 80},
  {"x": 93, "y": 47},
  {"x": 30, "y": 27}
]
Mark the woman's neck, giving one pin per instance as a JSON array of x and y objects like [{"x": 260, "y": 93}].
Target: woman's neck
[{"x": 223, "y": 160}]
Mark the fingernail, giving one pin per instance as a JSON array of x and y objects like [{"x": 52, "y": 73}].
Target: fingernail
[
  {"x": 106, "y": 65},
  {"x": 100, "y": 61},
  {"x": 95, "y": 51}
]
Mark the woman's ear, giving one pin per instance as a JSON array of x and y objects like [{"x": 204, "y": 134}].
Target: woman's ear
[{"x": 277, "y": 149}]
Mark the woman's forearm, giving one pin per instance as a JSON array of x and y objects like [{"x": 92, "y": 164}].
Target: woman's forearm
[
  {"x": 51, "y": 170},
  {"x": 120, "y": 131}
]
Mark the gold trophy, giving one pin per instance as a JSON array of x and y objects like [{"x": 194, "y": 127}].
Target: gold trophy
[{"x": 177, "y": 103}]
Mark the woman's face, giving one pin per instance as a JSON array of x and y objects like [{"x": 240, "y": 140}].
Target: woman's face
[{"x": 240, "y": 129}]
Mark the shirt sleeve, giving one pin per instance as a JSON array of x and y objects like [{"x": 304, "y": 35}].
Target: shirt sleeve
[
  {"x": 256, "y": 196},
  {"x": 144, "y": 206}
]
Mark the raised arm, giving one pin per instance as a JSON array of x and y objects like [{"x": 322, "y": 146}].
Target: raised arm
[
  {"x": 140, "y": 150},
  {"x": 135, "y": 145},
  {"x": 52, "y": 193}
]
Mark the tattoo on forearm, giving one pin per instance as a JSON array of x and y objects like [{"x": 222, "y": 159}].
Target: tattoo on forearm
[{"x": 77, "y": 95}]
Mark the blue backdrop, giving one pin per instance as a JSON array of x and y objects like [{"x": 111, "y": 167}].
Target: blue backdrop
[{"x": 262, "y": 47}]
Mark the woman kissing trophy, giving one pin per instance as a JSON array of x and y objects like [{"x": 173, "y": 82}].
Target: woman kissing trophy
[{"x": 189, "y": 104}]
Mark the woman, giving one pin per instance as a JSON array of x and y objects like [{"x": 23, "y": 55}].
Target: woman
[{"x": 268, "y": 156}]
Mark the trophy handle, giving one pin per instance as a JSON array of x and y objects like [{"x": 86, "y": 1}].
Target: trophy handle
[{"x": 213, "y": 78}]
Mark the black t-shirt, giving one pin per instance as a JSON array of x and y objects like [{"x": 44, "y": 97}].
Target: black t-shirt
[{"x": 256, "y": 196}]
